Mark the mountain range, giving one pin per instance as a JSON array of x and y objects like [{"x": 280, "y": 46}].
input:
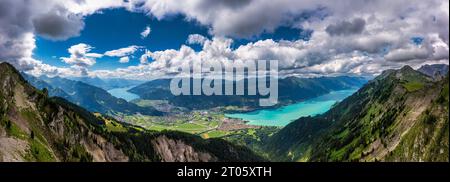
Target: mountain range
[
  {"x": 401, "y": 115},
  {"x": 36, "y": 127},
  {"x": 108, "y": 83},
  {"x": 436, "y": 71},
  {"x": 291, "y": 90},
  {"x": 90, "y": 97}
]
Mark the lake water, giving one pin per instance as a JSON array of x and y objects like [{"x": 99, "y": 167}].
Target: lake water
[
  {"x": 286, "y": 114},
  {"x": 123, "y": 93}
]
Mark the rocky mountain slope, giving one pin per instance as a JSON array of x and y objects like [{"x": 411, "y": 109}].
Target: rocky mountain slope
[
  {"x": 402, "y": 115},
  {"x": 34, "y": 127},
  {"x": 436, "y": 71}
]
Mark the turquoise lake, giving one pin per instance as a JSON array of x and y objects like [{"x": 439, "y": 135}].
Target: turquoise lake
[
  {"x": 123, "y": 93},
  {"x": 286, "y": 114}
]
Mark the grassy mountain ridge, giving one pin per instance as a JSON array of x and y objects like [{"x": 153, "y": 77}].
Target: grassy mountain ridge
[
  {"x": 34, "y": 127},
  {"x": 402, "y": 115}
]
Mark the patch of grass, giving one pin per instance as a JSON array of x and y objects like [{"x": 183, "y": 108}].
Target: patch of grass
[
  {"x": 39, "y": 152},
  {"x": 13, "y": 130},
  {"x": 114, "y": 126},
  {"x": 252, "y": 133},
  {"x": 192, "y": 127},
  {"x": 79, "y": 154},
  {"x": 339, "y": 155},
  {"x": 413, "y": 86},
  {"x": 194, "y": 123},
  {"x": 28, "y": 115},
  {"x": 305, "y": 157},
  {"x": 343, "y": 134},
  {"x": 184, "y": 127},
  {"x": 205, "y": 135},
  {"x": 356, "y": 154},
  {"x": 217, "y": 133},
  {"x": 147, "y": 103},
  {"x": 157, "y": 127},
  {"x": 344, "y": 153}
]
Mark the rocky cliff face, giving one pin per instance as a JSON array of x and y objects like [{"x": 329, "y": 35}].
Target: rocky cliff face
[
  {"x": 177, "y": 151},
  {"x": 436, "y": 71},
  {"x": 34, "y": 127},
  {"x": 44, "y": 130}
]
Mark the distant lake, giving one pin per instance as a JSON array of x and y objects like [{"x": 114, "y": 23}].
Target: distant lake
[
  {"x": 286, "y": 114},
  {"x": 123, "y": 93}
]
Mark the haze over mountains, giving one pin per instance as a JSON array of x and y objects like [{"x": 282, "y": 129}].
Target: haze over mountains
[
  {"x": 290, "y": 90},
  {"x": 107, "y": 84},
  {"x": 436, "y": 71},
  {"x": 92, "y": 98}
]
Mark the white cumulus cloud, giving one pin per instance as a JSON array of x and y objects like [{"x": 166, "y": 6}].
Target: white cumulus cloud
[
  {"x": 348, "y": 36},
  {"x": 125, "y": 59},
  {"x": 146, "y": 32},
  {"x": 123, "y": 51},
  {"x": 196, "y": 39},
  {"x": 80, "y": 57}
]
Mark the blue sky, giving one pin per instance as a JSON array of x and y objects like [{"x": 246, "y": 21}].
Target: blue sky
[
  {"x": 309, "y": 38},
  {"x": 117, "y": 28}
]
